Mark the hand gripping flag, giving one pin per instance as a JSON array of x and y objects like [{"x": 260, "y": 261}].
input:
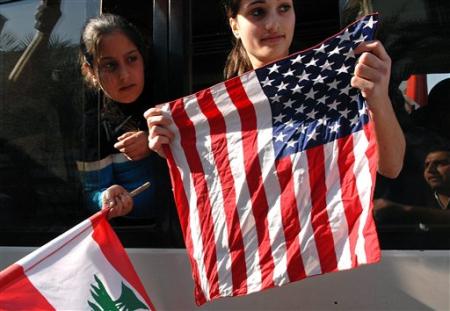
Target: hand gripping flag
[
  {"x": 86, "y": 268},
  {"x": 273, "y": 171}
]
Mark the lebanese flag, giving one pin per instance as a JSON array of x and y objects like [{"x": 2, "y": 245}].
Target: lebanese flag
[
  {"x": 85, "y": 268},
  {"x": 417, "y": 89}
]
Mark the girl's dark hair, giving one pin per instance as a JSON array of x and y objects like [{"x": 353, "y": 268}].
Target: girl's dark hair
[
  {"x": 92, "y": 33},
  {"x": 237, "y": 61}
]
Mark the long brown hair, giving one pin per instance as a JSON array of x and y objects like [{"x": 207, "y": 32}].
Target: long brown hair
[{"x": 238, "y": 61}]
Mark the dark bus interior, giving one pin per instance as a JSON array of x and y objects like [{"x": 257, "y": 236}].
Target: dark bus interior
[{"x": 41, "y": 110}]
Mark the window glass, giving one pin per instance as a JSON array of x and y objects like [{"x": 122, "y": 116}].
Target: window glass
[
  {"x": 40, "y": 118},
  {"x": 412, "y": 210}
]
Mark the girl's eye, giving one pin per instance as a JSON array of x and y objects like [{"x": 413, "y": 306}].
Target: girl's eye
[
  {"x": 285, "y": 7},
  {"x": 108, "y": 67},
  {"x": 132, "y": 58},
  {"x": 257, "y": 12}
]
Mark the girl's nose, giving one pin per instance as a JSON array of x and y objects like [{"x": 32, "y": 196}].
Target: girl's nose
[
  {"x": 123, "y": 72},
  {"x": 272, "y": 22}
]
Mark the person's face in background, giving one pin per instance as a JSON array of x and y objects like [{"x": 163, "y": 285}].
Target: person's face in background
[
  {"x": 120, "y": 68},
  {"x": 437, "y": 171},
  {"x": 266, "y": 28}
]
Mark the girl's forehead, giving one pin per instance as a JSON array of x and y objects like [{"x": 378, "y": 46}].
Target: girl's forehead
[{"x": 115, "y": 41}]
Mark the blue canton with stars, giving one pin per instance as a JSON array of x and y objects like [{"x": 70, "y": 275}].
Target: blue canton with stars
[{"x": 310, "y": 95}]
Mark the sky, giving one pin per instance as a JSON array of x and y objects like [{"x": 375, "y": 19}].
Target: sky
[
  {"x": 21, "y": 19},
  {"x": 432, "y": 79}
]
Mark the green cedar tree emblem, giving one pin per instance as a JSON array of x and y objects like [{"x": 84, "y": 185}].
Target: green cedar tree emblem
[{"x": 104, "y": 302}]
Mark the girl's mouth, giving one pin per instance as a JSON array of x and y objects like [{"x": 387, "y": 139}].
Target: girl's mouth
[{"x": 272, "y": 39}]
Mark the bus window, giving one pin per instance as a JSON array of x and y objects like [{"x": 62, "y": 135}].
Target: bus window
[
  {"x": 40, "y": 115},
  {"x": 412, "y": 210}
]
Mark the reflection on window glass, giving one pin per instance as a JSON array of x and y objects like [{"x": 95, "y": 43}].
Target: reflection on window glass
[
  {"x": 418, "y": 200},
  {"x": 40, "y": 118}
]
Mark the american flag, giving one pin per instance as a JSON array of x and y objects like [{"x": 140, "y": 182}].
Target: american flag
[{"x": 273, "y": 171}]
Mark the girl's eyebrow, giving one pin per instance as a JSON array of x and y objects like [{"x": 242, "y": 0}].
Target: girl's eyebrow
[
  {"x": 256, "y": 2},
  {"x": 111, "y": 58}
]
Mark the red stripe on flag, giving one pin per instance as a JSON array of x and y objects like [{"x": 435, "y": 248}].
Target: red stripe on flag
[
  {"x": 18, "y": 293},
  {"x": 255, "y": 184},
  {"x": 290, "y": 218},
  {"x": 114, "y": 252},
  {"x": 319, "y": 216},
  {"x": 183, "y": 215},
  {"x": 349, "y": 191},
  {"x": 372, "y": 245},
  {"x": 220, "y": 152},
  {"x": 188, "y": 143}
]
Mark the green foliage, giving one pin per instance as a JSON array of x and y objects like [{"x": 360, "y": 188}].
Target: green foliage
[{"x": 103, "y": 301}]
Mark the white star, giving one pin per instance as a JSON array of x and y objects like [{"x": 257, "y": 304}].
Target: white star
[
  {"x": 334, "y": 105},
  {"x": 280, "y": 136},
  {"x": 300, "y": 109},
  {"x": 333, "y": 85},
  {"x": 279, "y": 118},
  {"x": 289, "y": 103},
  {"x": 362, "y": 111},
  {"x": 369, "y": 23},
  {"x": 336, "y": 50},
  {"x": 346, "y": 90},
  {"x": 289, "y": 123},
  {"x": 343, "y": 69},
  {"x": 345, "y": 113},
  {"x": 267, "y": 82},
  {"x": 311, "y": 94},
  {"x": 354, "y": 121},
  {"x": 288, "y": 73},
  {"x": 312, "y": 114},
  {"x": 322, "y": 121},
  {"x": 318, "y": 79},
  {"x": 302, "y": 129},
  {"x": 326, "y": 66},
  {"x": 321, "y": 49},
  {"x": 282, "y": 86},
  {"x": 274, "y": 68},
  {"x": 275, "y": 98},
  {"x": 291, "y": 144},
  {"x": 349, "y": 54},
  {"x": 312, "y": 62},
  {"x": 298, "y": 59},
  {"x": 355, "y": 98},
  {"x": 335, "y": 127},
  {"x": 312, "y": 135},
  {"x": 297, "y": 89},
  {"x": 345, "y": 36},
  {"x": 360, "y": 39},
  {"x": 303, "y": 76},
  {"x": 322, "y": 99}
]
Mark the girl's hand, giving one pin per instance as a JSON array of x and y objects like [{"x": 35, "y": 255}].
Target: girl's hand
[
  {"x": 133, "y": 144},
  {"x": 371, "y": 76},
  {"x": 158, "y": 132},
  {"x": 372, "y": 73},
  {"x": 118, "y": 199}
]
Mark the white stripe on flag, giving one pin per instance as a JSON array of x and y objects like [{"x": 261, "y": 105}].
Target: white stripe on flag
[
  {"x": 364, "y": 190},
  {"x": 194, "y": 219},
  {"x": 215, "y": 194},
  {"x": 335, "y": 207},
  {"x": 271, "y": 184},
  {"x": 236, "y": 158},
  {"x": 308, "y": 246}
]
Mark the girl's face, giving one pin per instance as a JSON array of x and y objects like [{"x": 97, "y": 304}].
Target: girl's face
[
  {"x": 120, "y": 68},
  {"x": 266, "y": 28}
]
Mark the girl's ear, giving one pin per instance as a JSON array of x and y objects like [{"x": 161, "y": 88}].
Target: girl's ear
[
  {"x": 90, "y": 74},
  {"x": 234, "y": 27}
]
